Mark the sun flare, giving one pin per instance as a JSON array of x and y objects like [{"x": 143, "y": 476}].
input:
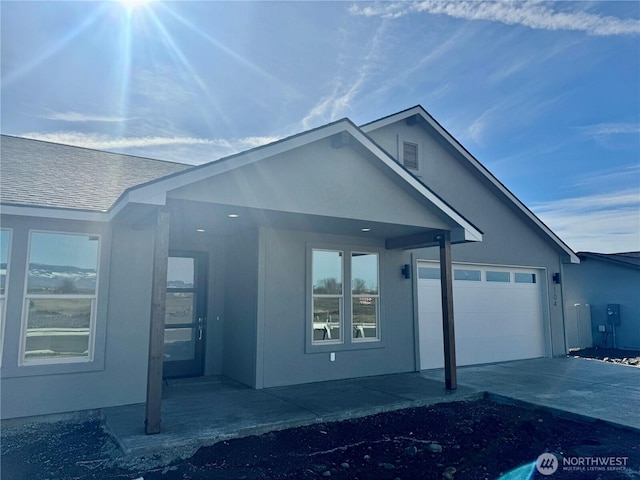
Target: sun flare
[{"x": 131, "y": 4}]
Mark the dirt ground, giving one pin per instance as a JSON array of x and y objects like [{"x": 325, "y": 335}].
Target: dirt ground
[
  {"x": 608, "y": 354},
  {"x": 461, "y": 440}
]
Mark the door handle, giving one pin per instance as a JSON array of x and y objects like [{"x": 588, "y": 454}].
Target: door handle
[{"x": 200, "y": 327}]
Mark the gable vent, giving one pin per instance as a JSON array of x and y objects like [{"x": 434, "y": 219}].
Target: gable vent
[{"x": 410, "y": 155}]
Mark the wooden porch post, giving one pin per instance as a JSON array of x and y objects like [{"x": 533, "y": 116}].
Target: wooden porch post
[
  {"x": 446, "y": 283},
  {"x": 156, "y": 329}
]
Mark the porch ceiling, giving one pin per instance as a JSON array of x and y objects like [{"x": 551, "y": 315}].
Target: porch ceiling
[{"x": 190, "y": 218}]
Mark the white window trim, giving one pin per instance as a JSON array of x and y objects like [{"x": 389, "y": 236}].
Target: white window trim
[
  {"x": 24, "y": 362},
  {"x": 347, "y": 343},
  {"x": 367, "y": 295},
  {"x": 341, "y": 302},
  {"x": 3, "y": 296}
]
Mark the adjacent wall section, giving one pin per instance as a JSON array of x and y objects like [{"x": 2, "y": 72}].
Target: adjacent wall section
[
  {"x": 284, "y": 359},
  {"x": 117, "y": 374}
]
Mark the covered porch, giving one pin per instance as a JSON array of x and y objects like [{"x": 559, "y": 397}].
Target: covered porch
[{"x": 260, "y": 216}]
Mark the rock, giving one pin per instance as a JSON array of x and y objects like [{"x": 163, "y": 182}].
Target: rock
[
  {"x": 344, "y": 465},
  {"x": 447, "y": 476},
  {"x": 450, "y": 470},
  {"x": 387, "y": 466},
  {"x": 367, "y": 457},
  {"x": 411, "y": 451},
  {"x": 476, "y": 446},
  {"x": 319, "y": 468},
  {"x": 326, "y": 474},
  {"x": 606, "y": 359},
  {"x": 456, "y": 447},
  {"x": 434, "y": 448},
  {"x": 467, "y": 430}
]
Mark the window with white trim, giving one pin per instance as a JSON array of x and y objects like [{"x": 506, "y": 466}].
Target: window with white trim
[
  {"x": 327, "y": 267},
  {"x": 410, "y": 155},
  {"x": 59, "y": 313},
  {"x": 5, "y": 241},
  {"x": 336, "y": 312},
  {"x": 365, "y": 296}
]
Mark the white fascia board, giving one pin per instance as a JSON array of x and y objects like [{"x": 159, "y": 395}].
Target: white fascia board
[
  {"x": 55, "y": 213},
  {"x": 155, "y": 192},
  {"x": 383, "y": 122},
  {"x": 472, "y": 234}
]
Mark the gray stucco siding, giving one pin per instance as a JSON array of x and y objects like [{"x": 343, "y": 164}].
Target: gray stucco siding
[
  {"x": 286, "y": 313},
  {"x": 509, "y": 238},
  {"x": 599, "y": 283},
  {"x": 241, "y": 307},
  {"x": 319, "y": 180},
  {"x": 117, "y": 374}
]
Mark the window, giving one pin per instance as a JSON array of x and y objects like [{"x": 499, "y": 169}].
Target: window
[
  {"x": 504, "y": 277},
  {"x": 410, "y": 155},
  {"x": 525, "y": 278},
  {"x": 345, "y": 297},
  {"x": 5, "y": 239},
  {"x": 60, "y": 299},
  {"x": 429, "y": 273},
  {"x": 365, "y": 296},
  {"x": 327, "y": 299},
  {"x": 468, "y": 275}
]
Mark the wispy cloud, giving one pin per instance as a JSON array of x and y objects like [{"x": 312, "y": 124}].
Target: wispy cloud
[
  {"x": 529, "y": 14},
  {"x": 604, "y": 223},
  {"x": 346, "y": 85},
  {"x": 177, "y": 148},
  {"x": 607, "y": 129},
  {"x": 81, "y": 117}
]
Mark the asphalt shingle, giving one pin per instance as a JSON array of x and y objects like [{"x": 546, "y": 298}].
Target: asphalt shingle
[{"x": 44, "y": 174}]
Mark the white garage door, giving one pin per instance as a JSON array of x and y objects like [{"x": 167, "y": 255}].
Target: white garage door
[{"x": 497, "y": 314}]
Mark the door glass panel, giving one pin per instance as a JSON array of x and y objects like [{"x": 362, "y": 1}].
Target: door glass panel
[
  {"x": 179, "y": 308},
  {"x": 179, "y": 344},
  {"x": 180, "y": 272}
]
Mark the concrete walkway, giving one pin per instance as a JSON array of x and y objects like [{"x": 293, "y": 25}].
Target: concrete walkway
[{"x": 207, "y": 410}]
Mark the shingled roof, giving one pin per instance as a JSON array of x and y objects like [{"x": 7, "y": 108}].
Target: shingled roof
[
  {"x": 627, "y": 259},
  {"x": 44, "y": 174}
]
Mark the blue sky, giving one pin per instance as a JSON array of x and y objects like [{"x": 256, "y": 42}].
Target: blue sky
[{"x": 544, "y": 94}]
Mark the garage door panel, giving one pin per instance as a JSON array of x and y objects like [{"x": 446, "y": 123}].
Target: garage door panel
[{"x": 494, "y": 320}]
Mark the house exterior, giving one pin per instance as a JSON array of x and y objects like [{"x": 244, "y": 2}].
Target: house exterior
[
  {"x": 323, "y": 256},
  {"x": 602, "y": 302}
]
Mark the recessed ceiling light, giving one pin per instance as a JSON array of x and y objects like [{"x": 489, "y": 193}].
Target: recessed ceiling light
[
  {"x": 201, "y": 230},
  {"x": 233, "y": 215},
  {"x": 366, "y": 229}
]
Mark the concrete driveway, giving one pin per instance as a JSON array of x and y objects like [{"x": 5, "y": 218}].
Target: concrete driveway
[{"x": 587, "y": 388}]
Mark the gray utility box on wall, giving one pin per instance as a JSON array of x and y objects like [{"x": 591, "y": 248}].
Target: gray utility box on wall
[{"x": 613, "y": 313}]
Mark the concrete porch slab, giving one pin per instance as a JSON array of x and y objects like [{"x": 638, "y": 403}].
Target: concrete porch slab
[{"x": 201, "y": 412}]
